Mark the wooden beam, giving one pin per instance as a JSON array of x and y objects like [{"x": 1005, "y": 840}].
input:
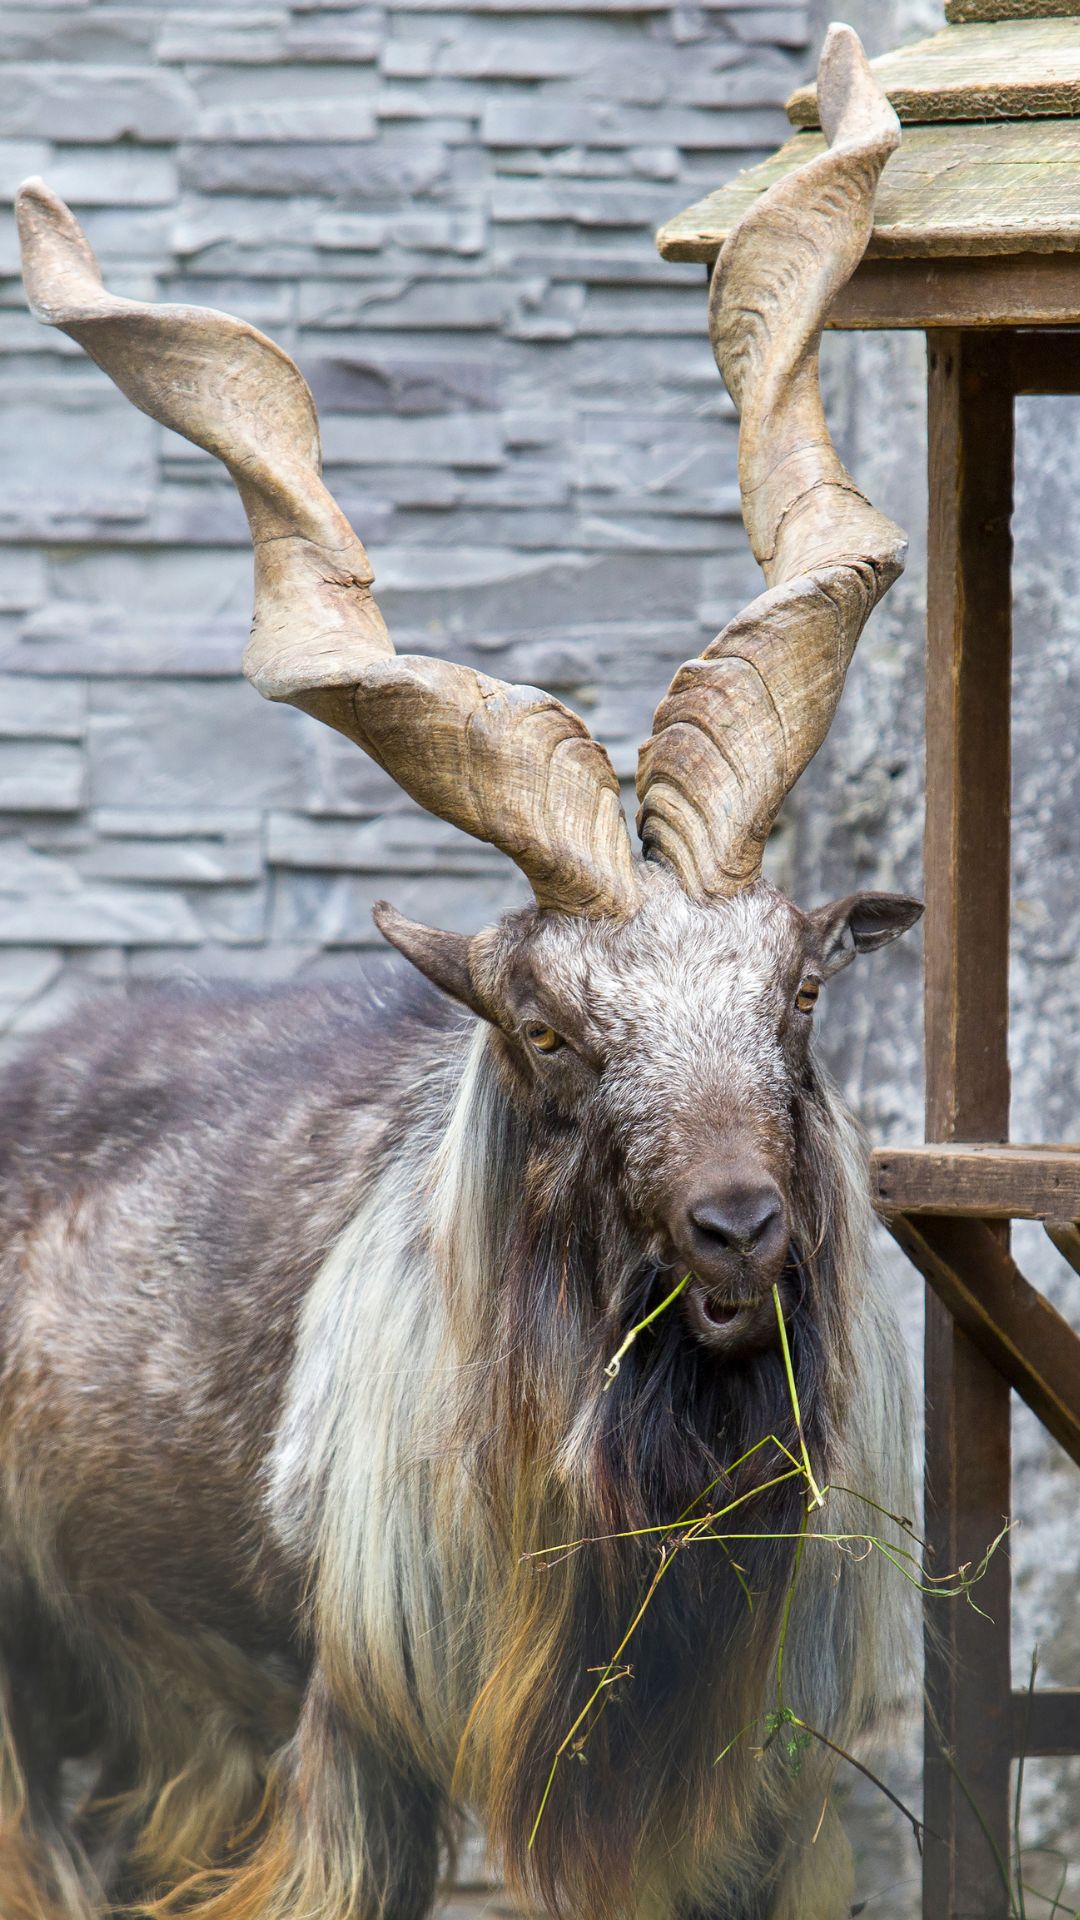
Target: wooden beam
[
  {"x": 985, "y": 1182},
  {"x": 1047, "y": 1723},
  {"x": 1015, "y": 290},
  {"x": 968, "y": 1678},
  {"x": 969, "y": 640},
  {"x": 1023, "y": 1336},
  {"x": 1044, "y": 361}
]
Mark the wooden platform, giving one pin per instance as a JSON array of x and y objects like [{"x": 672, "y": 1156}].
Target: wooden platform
[
  {"x": 996, "y": 189},
  {"x": 976, "y": 72},
  {"x": 965, "y": 10}
]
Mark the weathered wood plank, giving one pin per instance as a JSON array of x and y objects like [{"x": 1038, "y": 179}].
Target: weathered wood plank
[
  {"x": 1027, "y": 290},
  {"x": 959, "y": 11},
  {"x": 968, "y": 1459},
  {"x": 1047, "y": 1723},
  {"x": 985, "y": 1182},
  {"x": 975, "y": 72},
  {"x": 969, "y": 636},
  {"x": 1011, "y": 187},
  {"x": 1025, "y": 1338},
  {"x": 1044, "y": 362}
]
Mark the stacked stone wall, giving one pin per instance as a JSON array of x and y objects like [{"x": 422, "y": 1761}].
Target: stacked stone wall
[{"x": 445, "y": 213}]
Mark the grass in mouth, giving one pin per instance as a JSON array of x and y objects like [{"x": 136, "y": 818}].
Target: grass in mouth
[{"x": 780, "y": 1725}]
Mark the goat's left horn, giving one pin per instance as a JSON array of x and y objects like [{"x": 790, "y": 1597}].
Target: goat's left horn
[
  {"x": 739, "y": 724},
  {"x": 509, "y": 764}
]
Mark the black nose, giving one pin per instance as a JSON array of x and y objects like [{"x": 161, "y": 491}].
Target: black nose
[{"x": 742, "y": 1220}]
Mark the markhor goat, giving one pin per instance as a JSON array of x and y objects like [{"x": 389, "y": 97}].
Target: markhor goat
[{"x": 318, "y": 1511}]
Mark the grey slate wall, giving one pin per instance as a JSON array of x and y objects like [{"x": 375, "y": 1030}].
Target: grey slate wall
[{"x": 445, "y": 212}]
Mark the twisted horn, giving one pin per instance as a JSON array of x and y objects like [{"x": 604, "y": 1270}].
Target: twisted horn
[
  {"x": 509, "y": 764},
  {"x": 739, "y": 724}
]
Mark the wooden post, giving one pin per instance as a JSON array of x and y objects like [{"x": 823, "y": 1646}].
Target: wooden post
[{"x": 969, "y": 1706}]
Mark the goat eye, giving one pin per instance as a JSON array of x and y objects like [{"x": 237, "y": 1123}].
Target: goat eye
[
  {"x": 807, "y": 995},
  {"x": 544, "y": 1039}
]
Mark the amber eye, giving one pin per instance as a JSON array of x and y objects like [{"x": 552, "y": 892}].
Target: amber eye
[
  {"x": 807, "y": 995},
  {"x": 544, "y": 1039}
]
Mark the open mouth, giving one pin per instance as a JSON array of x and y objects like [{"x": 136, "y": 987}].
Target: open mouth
[
  {"x": 718, "y": 1314},
  {"x": 731, "y": 1326}
]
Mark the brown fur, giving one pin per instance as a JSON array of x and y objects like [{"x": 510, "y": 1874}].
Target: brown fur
[{"x": 316, "y": 1516}]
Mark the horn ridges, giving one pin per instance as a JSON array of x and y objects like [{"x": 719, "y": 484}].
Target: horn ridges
[
  {"x": 739, "y": 724},
  {"x": 509, "y": 764}
]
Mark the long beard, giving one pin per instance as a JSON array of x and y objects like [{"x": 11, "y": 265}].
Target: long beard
[
  {"x": 627, "y": 1648},
  {"x": 616, "y": 1657}
]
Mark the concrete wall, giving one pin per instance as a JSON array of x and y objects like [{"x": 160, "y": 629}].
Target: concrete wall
[{"x": 446, "y": 214}]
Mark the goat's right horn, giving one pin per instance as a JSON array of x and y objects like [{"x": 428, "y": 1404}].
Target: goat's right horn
[
  {"x": 509, "y": 764},
  {"x": 738, "y": 725}
]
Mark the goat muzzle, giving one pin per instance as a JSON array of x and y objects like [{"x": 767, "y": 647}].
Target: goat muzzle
[{"x": 733, "y": 1236}]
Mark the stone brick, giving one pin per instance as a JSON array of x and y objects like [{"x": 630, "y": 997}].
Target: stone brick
[
  {"x": 356, "y": 37},
  {"x": 602, "y": 123},
  {"x": 215, "y": 961},
  {"x": 231, "y": 36},
  {"x": 367, "y": 380},
  {"x": 192, "y": 861},
  {"x": 299, "y": 101},
  {"x": 201, "y": 584},
  {"x": 19, "y": 159},
  {"x": 624, "y": 310},
  {"x": 428, "y": 231},
  {"x": 107, "y": 639},
  {"x": 22, "y": 579},
  {"x": 184, "y": 744},
  {"x": 337, "y": 913},
  {"x": 412, "y": 302},
  {"x": 600, "y": 7},
  {"x": 464, "y": 440},
  {"x": 25, "y": 974},
  {"x": 408, "y": 842},
  {"x": 582, "y": 203},
  {"x": 287, "y": 120},
  {"x": 9, "y": 245},
  {"x": 41, "y": 709},
  {"x": 112, "y": 176},
  {"x": 74, "y": 103},
  {"x": 41, "y": 776},
  {"x": 70, "y": 445},
  {"x": 267, "y": 303},
  {"x": 598, "y": 50},
  {"x": 96, "y": 916},
  {"x": 338, "y": 779},
  {"x": 104, "y": 35},
  {"x": 769, "y": 26},
  {"x": 219, "y": 824},
  {"x": 233, "y": 915}
]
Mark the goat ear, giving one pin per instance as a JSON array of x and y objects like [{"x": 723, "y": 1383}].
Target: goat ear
[
  {"x": 443, "y": 958},
  {"x": 859, "y": 924}
]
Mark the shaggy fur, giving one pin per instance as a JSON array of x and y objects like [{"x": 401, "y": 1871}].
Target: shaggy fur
[{"x": 305, "y": 1302}]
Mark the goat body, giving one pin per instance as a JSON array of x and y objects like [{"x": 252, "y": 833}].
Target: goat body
[{"x": 302, "y": 1418}]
